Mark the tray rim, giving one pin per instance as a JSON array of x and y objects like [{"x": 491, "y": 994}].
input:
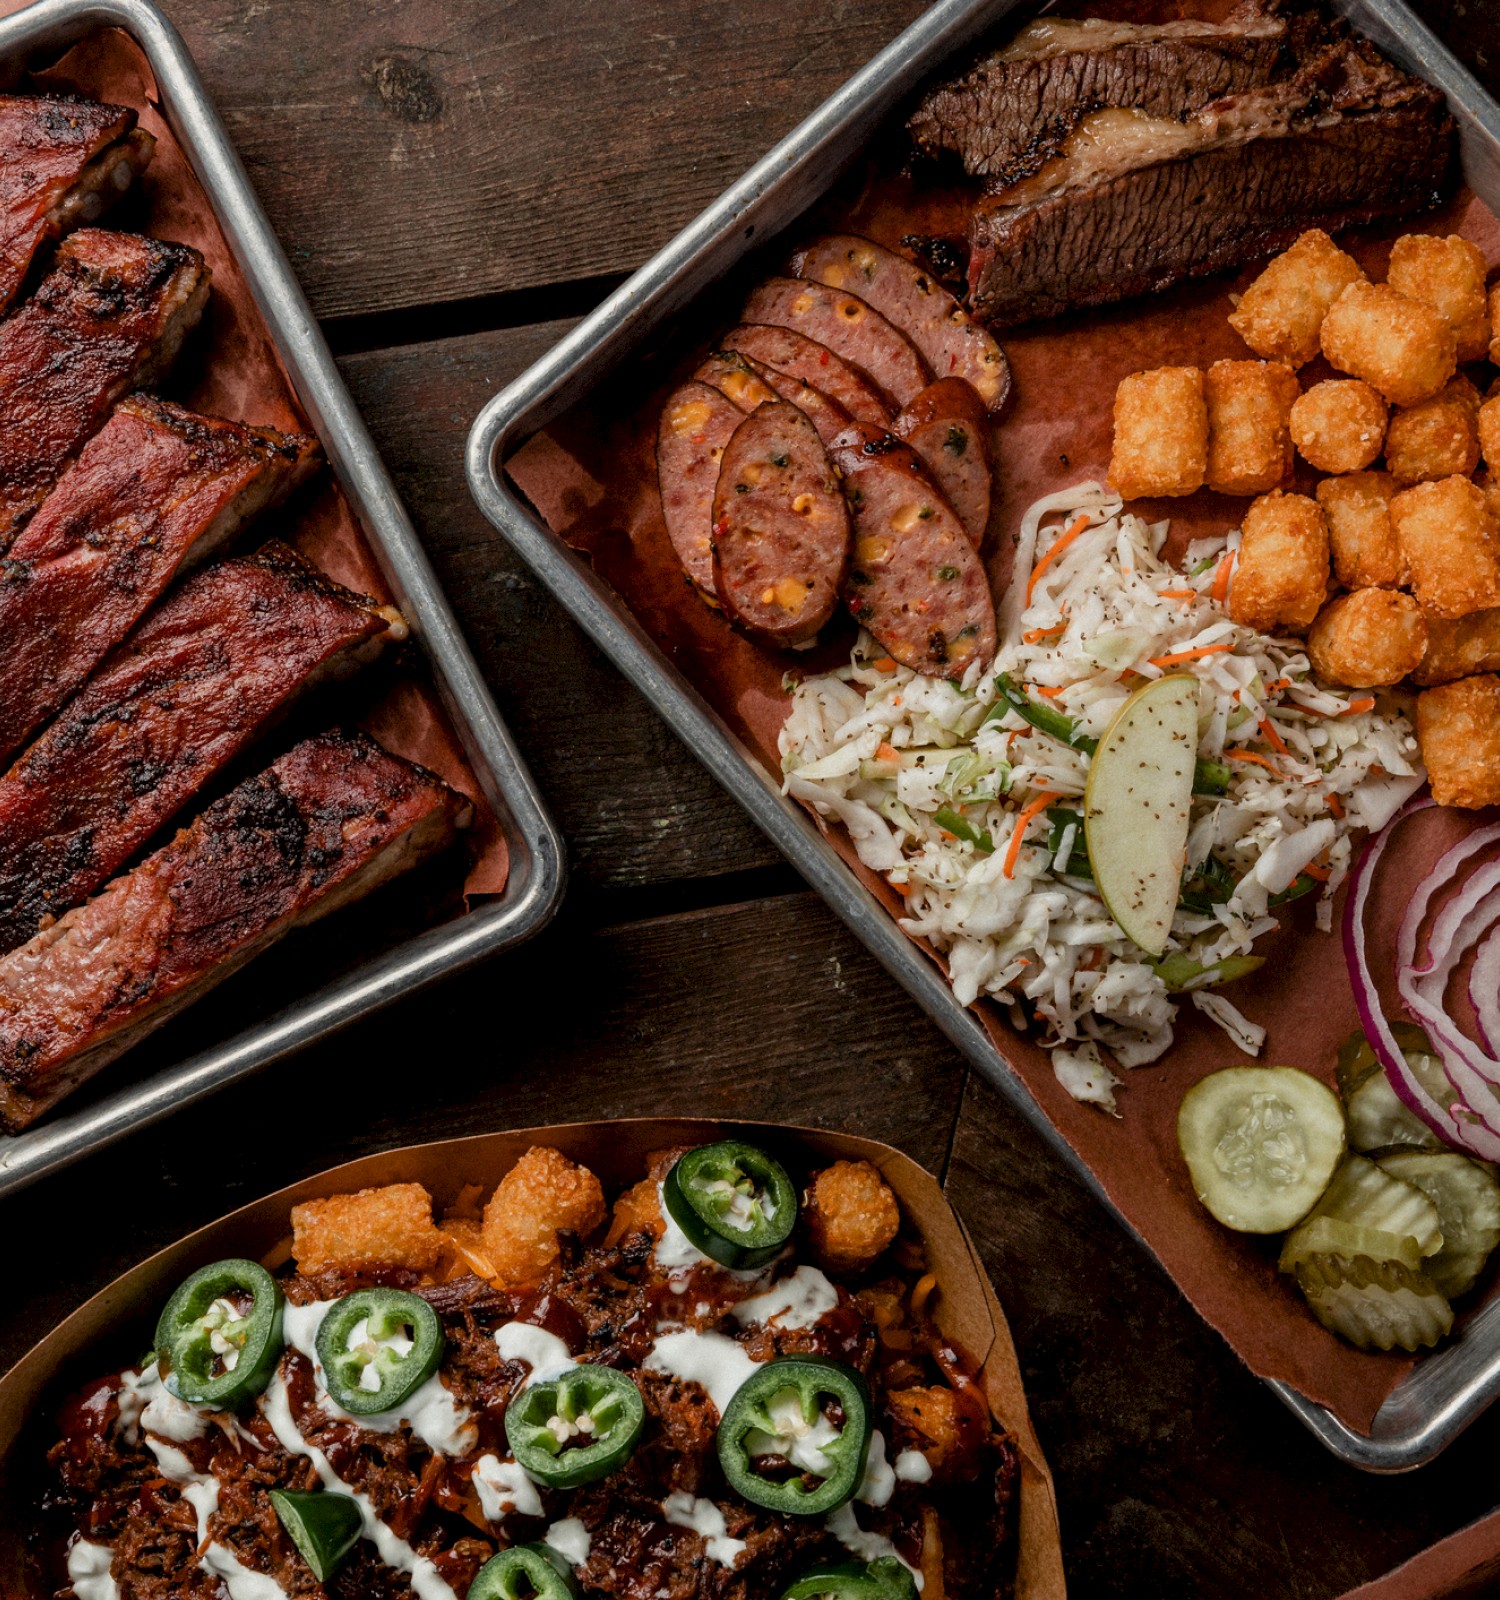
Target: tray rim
[
  {"x": 537, "y": 868},
  {"x": 1445, "y": 1392}
]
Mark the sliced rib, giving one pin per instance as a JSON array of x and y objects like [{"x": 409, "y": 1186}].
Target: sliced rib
[{"x": 156, "y": 490}]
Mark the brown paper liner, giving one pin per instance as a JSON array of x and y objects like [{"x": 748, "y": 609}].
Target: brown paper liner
[
  {"x": 1464, "y": 1566},
  {"x": 592, "y": 478},
  {"x": 230, "y": 369},
  {"x": 89, "y": 1341}
]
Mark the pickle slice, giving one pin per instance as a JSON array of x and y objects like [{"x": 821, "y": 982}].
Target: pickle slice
[
  {"x": 1377, "y": 1305},
  {"x": 1377, "y": 1117},
  {"x": 1357, "y": 1060},
  {"x": 1368, "y": 1195},
  {"x": 1261, "y": 1144},
  {"x": 1467, "y": 1198},
  {"x": 1332, "y": 1236}
]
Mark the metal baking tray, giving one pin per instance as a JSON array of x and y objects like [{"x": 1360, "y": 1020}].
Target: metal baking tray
[
  {"x": 1446, "y": 1391},
  {"x": 36, "y": 35}
]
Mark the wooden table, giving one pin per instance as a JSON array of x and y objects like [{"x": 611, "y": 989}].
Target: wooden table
[{"x": 455, "y": 181}]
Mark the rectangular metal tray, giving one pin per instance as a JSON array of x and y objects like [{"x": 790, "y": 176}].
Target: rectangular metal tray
[
  {"x": 536, "y": 872},
  {"x": 1446, "y": 1391}
]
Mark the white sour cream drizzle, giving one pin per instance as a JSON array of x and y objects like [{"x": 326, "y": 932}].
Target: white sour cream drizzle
[
  {"x": 717, "y": 1362},
  {"x": 844, "y": 1526},
  {"x": 569, "y": 1538},
  {"x": 88, "y": 1571},
  {"x": 913, "y": 1467},
  {"x": 879, "y": 1482},
  {"x": 502, "y": 1487},
  {"x": 546, "y": 1354},
  {"x": 800, "y": 1441},
  {"x": 677, "y": 1255},
  {"x": 705, "y": 1519},
  {"x": 796, "y": 1302}
]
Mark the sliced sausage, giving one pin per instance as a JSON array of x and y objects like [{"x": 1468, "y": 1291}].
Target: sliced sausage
[
  {"x": 734, "y": 378},
  {"x": 914, "y": 581},
  {"x": 947, "y": 428},
  {"x": 749, "y": 383},
  {"x": 849, "y": 326},
  {"x": 954, "y": 345},
  {"x": 781, "y": 527},
  {"x": 696, "y": 424},
  {"x": 799, "y": 357}
]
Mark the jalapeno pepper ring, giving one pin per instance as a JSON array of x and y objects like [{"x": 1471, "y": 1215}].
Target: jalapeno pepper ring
[
  {"x": 882, "y": 1579},
  {"x": 525, "y": 1572},
  {"x": 377, "y": 1347},
  {"x": 778, "y": 1444},
  {"x": 219, "y": 1337},
  {"x": 577, "y": 1428},
  {"x": 324, "y": 1527},
  {"x": 734, "y": 1202}
]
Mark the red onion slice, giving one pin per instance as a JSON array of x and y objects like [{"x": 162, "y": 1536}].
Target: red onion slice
[{"x": 1484, "y": 989}]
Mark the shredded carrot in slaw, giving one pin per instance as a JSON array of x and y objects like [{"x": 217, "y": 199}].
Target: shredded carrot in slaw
[
  {"x": 1178, "y": 594},
  {"x": 1336, "y": 806},
  {"x": 1044, "y": 633},
  {"x": 1013, "y": 850},
  {"x": 1189, "y": 655},
  {"x": 1274, "y": 739},
  {"x": 1366, "y": 702},
  {"x": 1250, "y": 755},
  {"x": 1079, "y": 524},
  {"x": 887, "y": 752},
  {"x": 1220, "y": 589},
  {"x": 1051, "y": 694}
]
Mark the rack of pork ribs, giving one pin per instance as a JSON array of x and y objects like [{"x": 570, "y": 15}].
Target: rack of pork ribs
[{"x": 141, "y": 658}]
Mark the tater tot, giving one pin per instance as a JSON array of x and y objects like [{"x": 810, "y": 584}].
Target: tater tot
[
  {"x": 1495, "y": 324},
  {"x": 638, "y": 1210},
  {"x": 1358, "y": 508},
  {"x": 851, "y": 1216},
  {"x": 1368, "y": 639},
  {"x": 1458, "y": 647},
  {"x": 1458, "y": 728},
  {"x": 929, "y": 1420},
  {"x": 1398, "y": 345},
  {"x": 1249, "y": 444},
  {"x": 1448, "y": 275},
  {"x": 1281, "y": 577},
  {"x": 1161, "y": 434},
  {"x": 542, "y": 1195},
  {"x": 387, "y": 1227},
  {"x": 1436, "y": 439},
  {"x": 1339, "y": 425},
  {"x": 1280, "y": 316},
  {"x": 1450, "y": 549},
  {"x": 1488, "y": 424}
]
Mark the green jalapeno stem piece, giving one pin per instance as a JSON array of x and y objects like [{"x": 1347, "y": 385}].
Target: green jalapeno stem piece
[
  {"x": 219, "y": 1337},
  {"x": 377, "y": 1348},
  {"x": 324, "y": 1527},
  {"x": 882, "y": 1579},
  {"x": 524, "y": 1572},
  {"x": 577, "y": 1428},
  {"x": 734, "y": 1202},
  {"x": 778, "y": 1444}
]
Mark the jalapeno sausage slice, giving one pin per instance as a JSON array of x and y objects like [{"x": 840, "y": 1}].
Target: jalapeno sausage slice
[
  {"x": 881, "y": 1579},
  {"x": 576, "y": 1429},
  {"x": 219, "y": 1336},
  {"x": 734, "y": 1202},
  {"x": 324, "y": 1527},
  {"x": 377, "y": 1348},
  {"x": 795, "y": 1436},
  {"x": 524, "y": 1572}
]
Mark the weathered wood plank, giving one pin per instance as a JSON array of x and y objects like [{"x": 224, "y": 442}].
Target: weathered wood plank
[
  {"x": 767, "y": 1010},
  {"x": 1178, "y": 1473}
]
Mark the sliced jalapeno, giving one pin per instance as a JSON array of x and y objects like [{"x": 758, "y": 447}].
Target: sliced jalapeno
[
  {"x": 882, "y": 1579},
  {"x": 795, "y": 1436},
  {"x": 576, "y": 1429},
  {"x": 377, "y": 1348},
  {"x": 219, "y": 1337},
  {"x": 734, "y": 1202},
  {"x": 324, "y": 1527},
  {"x": 524, "y": 1572}
]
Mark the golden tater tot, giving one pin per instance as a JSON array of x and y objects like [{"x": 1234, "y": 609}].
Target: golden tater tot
[
  {"x": 1489, "y": 433},
  {"x": 1161, "y": 434},
  {"x": 638, "y": 1210},
  {"x": 1450, "y": 548},
  {"x": 1280, "y": 316},
  {"x": 1249, "y": 445},
  {"x": 1458, "y": 647},
  {"x": 929, "y": 1420},
  {"x": 1339, "y": 425},
  {"x": 1398, "y": 345},
  {"x": 851, "y": 1216},
  {"x": 1448, "y": 275},
  {"x": 1368, "y": 639},
  {"x": 543, "y": 1194},
  {"x": 1281, "y": 578},
  {"x": 1358, "y": 508},
  {"x": 1436, "y": 439},
  {"x": 1495, "y": 324},
  {"x": 388, "y": 1227},
  {"x": 1458, "y": 727}
]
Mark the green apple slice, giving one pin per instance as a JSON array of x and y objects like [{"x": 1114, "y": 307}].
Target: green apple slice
[{"x": 1136, "y": 807}]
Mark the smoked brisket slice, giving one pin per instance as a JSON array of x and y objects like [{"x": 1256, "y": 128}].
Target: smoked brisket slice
[
  {"x": 195, "y": 685},
  {"x": 156, "y": 489},
  {"x": 328, "y": 822},
  {"x": 62, "y": 163},
  {"x": 108, "y": 318},
  {"x": 1015, "y": 106}
]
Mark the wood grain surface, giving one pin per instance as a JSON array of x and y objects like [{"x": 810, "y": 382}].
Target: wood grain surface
[{"x": 452, "y": 178}]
